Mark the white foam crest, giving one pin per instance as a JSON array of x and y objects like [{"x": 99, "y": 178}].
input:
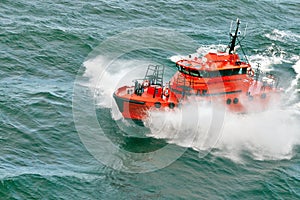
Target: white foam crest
[
  {"x": 269, "y": 135},
  {"x": 184, "y": 127},
  {"x": 296, "y": 67},
  {"x": 294, "y": 83},
  {"x": 273, "y": 55},
  {"x": 294, "y": 58},
  {"x": 282, "y": 36},
  {"x": 265, "y": 61},
  {"x": 297, "y": 108},
  {"x": 93, "y": 69},
  {"x": 45, "y": 172}
]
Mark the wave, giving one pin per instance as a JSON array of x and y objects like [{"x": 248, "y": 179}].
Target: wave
[
  {"x": 269, "y": 135},
  {"x": 283, "y": 36},
  {"x": 45, "y": 172},
  {"x": 197, "y": 125},
  {"x": 105, "y": 76},
  {"x": 293, "y": 89},
  {"x": 273, "y": 55}
]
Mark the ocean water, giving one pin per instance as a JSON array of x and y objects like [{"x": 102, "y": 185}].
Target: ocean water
[{"x": 55, "y": 56}]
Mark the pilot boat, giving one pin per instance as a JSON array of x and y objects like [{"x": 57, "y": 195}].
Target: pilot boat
[{"x": 219, "y": 76}]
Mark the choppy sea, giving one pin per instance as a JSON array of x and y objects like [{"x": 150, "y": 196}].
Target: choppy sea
[{"x": 60, "y": 61}]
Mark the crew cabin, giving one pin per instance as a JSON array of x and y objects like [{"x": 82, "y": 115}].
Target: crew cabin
[{"x": 213, "y": 65}]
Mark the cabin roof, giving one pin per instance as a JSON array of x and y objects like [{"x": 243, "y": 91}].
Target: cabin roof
[{"x": 213, "y": 62}]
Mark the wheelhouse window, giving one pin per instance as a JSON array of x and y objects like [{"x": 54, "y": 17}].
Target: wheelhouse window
[
  {"x": 244, "y": 70},
  {"x": 214, "y": 74},
  {"x": 194, "y": 73},
  {"x": 184, "y": 70},
  {"x": 211, "y": 74},
  {"x": 178, "y": 67}
]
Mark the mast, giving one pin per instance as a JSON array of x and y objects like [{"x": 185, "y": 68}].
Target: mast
[{"x": 234, "y": 37}]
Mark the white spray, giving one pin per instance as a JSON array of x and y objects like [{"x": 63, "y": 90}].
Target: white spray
[{"x": 267, "y": 135}]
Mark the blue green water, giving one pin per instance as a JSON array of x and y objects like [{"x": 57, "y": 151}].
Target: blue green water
[{"x": 45, "y": 45}]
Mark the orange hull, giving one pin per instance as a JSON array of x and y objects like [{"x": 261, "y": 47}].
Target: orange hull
[
  {"x": 236, "y": 99},
  {"x": 133, "y": 106}
]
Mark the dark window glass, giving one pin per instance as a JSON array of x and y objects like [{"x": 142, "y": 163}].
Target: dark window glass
[
  {"x": 179, "y": 68},
  {"x": 236, "y": 71},
  {"x": 204, "y": 74},
  {"x": 185, "y": 70},
  {"x": 244, "y": 70},
  {"x": 226, "y": 72},
  {"x": 214, "y": 74},
  {"x": 194, "y": 73}
]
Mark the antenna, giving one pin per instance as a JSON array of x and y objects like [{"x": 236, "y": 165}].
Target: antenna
[{"x": 234, "y": 37}]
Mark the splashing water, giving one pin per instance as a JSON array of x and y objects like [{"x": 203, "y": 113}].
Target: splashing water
[
  {"x": 104, "y": 81},
  {"x": 269, "y": 135},
  {"x": 282, "y": 36},
  {"x": 182, "y": 126},
  {"x": 293, "y": 90}
]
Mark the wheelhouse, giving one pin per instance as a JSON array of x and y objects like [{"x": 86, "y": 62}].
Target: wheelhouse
[{"x": 208, "y": 73}]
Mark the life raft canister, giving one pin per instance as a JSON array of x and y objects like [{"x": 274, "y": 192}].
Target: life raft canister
[
  {"x": 166, "y": 92},
  {"x": 250, "y": 72}
]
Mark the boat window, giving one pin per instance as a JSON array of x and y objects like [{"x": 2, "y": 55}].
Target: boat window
[
  {"x": 178, "y": 67},
  {"x": 211, "y": 74},
  {"x": 185, "y": 70},
  {"x": 194, "y": 73},
  {"x": 227, "y": 72},
  {"x": 223, "y": 72},
  {"x": 244, "y": 70},
  {"x": 236, "y": 71},
  {"x": 214, "y": 74},
  {"x": 204, "y": 74}
]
